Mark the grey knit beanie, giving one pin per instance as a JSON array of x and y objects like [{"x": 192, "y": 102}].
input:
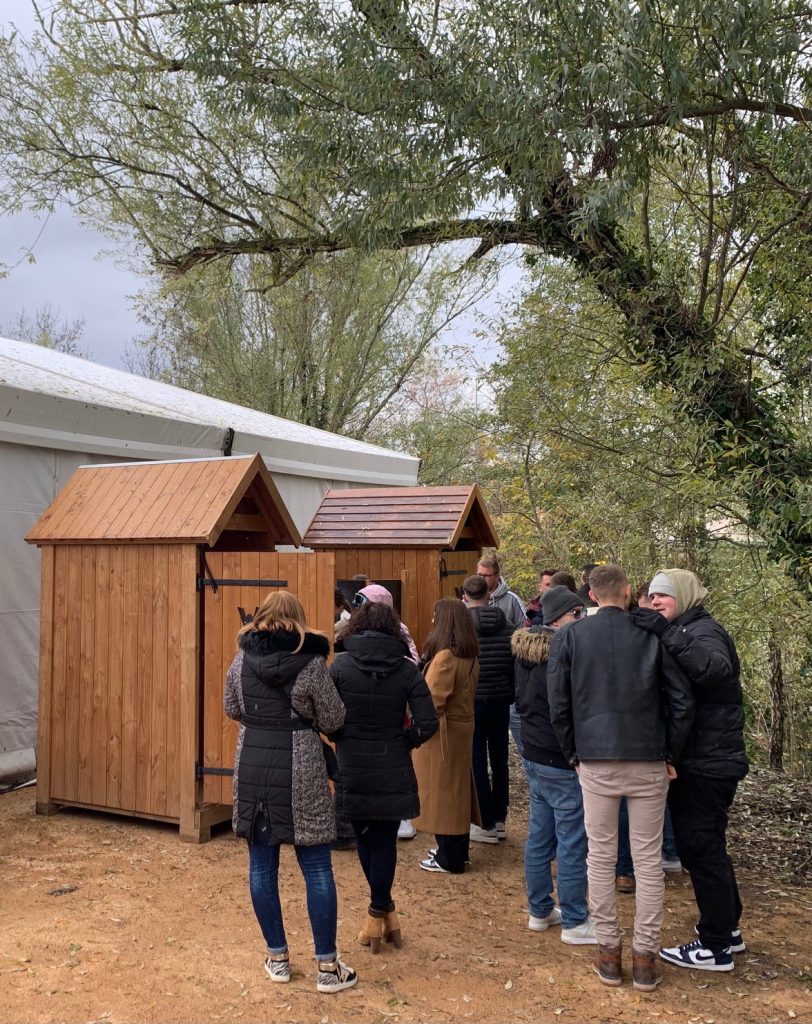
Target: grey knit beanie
[{"x": 557, "y": 601}]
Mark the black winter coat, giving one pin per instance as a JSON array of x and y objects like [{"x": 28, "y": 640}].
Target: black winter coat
[
  {"x": 495, "y": 656},
  {"x": 707, "y": 655},
  {"x": 531, "y": 648},
  {"x": 377, "y": 682},
  {"x": 281, "y": 700},
  {"x": 615, "y": 693}
]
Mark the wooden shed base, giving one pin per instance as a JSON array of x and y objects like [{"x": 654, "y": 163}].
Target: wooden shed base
[{"x": 200, "y": 832}]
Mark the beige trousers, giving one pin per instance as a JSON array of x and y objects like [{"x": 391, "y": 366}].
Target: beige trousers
[{"x": 645, "y": 786}]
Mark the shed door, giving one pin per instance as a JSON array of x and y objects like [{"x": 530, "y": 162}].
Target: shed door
[{"x": 245, "y": 580}]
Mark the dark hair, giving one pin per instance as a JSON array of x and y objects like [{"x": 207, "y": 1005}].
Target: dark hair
[
  {"x": 642, "y": 590},
  {"x": 453, "y": 630},
  {"x": 548, "y": 572},
  {"x": 475, "y": 586},
  {"x": 563, "y": 579},
  {"x": 360, "y": 576},
  {"x": 340, "y": 601},
  {"x": 608, "y": 580},
  {"x": 373, "y": 617}
]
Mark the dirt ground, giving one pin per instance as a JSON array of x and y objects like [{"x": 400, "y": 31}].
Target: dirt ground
[{"x": 114, "y": 920}]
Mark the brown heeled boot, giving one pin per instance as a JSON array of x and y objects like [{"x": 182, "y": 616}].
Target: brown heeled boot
[
  {"x": 374, "y": 932},
  {"x": 607, "y": 965},
  {"x": 363, "y": 935},
  {"x": 646, "y": 974},
  {"x": 391, "y": 929}
]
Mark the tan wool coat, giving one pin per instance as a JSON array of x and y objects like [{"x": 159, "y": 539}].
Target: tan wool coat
[{"x": 443, "y": 765}]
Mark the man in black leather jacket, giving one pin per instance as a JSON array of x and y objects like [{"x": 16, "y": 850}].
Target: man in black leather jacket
[
  {"x": 622, "y": 710},
  {"x": 712, "y": 763}
]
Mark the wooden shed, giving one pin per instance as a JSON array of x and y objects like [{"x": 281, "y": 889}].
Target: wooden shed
[
  {"x": 427, "y": 538},
  {"x": 148, "y": 571}
]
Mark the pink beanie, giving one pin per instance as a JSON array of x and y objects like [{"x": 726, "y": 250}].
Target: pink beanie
[{"x": 376, "y": 594}]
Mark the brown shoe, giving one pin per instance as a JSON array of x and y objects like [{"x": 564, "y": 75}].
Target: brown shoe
[
  {"x": 391, "y": 929},
  {"x": 645, "y": 971},
  {"x": 625, "y": 883},
  {"x": 607, "y": 965}
]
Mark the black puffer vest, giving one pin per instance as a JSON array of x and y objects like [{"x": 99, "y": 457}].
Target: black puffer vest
[
  {"x": 495, "y": 656},
  {"x": 265, "y": 765}
]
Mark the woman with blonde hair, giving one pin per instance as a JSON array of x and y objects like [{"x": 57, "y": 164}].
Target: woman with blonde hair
[
  {"x": 443, "y": 765},
  {"x": 280, "y": 692}
]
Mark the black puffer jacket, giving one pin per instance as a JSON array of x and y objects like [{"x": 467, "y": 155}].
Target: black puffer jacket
[
  {"x": 707, "y": 655},
  {"x": 281, "y": 700},
  {"x": 615, "y": 693},
  {"x": 377, "y": 682},
  {"x": 531, "y": 648},
  {"x": 495, "y": 655}
]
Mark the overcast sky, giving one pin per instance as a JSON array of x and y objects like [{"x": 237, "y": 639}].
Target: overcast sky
[{"x": 69, "y": 272}]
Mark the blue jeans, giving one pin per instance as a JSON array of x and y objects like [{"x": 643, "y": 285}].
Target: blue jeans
[
  {"x": 556, "y": 829},
  {"x": 624, "y": 864},
  {"x": 322, "y": 904},
  {"x": 516, "y": 729}
]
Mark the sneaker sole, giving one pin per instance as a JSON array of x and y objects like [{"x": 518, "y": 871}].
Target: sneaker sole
[
  {"x": 278, "y": 978},
  {"x": 338, "y": 987},
  {"x": 696, "y": 967},
  {"x": 739, "y": 948},
  {"x": 646, "y": 988},
  {"x": 493, "y": 840},
  {"x": 586, "y": 940},
  {"x": 543, "y": 927}
]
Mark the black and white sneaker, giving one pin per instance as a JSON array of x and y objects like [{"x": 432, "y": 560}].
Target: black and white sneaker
[
  {"x": 334, "y": 976},
  {"x": 697, "y": 957},
  {"x": 430, "y": 864},
  {"x": 737, "y": 943},
  {"x": 277, "y": 968}
]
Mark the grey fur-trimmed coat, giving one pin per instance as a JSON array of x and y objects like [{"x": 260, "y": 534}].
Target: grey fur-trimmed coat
[{"x": 282, "y": 699}]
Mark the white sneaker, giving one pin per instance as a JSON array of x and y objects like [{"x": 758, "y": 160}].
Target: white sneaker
[
  {"x": 672, "y": 865},
  {"x": 406, "y": 830},
  {"x": 482, "y": 835},
  {"x": 541, "y": 924},
  {"x": 501, "y": 831},
  {"x": 582, "y": 934}
]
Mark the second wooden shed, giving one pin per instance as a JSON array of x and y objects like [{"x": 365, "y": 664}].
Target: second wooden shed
[
  {"x": 427, "y": 538},
  {"x": 148, "y": 571}
]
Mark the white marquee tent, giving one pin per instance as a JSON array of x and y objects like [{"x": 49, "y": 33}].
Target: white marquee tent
[{"x": 58, "y": 412}]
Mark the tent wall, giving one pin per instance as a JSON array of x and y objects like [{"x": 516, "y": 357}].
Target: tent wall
[{"x": 30, "y": 479}]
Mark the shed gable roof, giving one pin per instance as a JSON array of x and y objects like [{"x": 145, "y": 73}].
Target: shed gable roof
[
  {"x": 436, "y": 517},
  {"x": 188, "y": 501}
]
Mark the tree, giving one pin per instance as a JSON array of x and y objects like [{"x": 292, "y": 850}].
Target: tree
[
  {"x": 48, "y": 328},
  {"x": 216, "y": 128},
  {"x": 332, "y": 347}
]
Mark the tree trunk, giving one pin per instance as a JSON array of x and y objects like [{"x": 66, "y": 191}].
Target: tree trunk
[{"x": 780, "y": 708}]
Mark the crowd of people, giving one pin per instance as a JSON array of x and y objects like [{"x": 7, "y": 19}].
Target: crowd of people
[{"x": 626, "y": 710}]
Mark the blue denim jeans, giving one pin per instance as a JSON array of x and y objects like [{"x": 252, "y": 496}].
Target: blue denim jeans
[
  {"x": 516, "y": 729},
  {"x": 556, "y": 829},
  {"x": 322, "y": 905}
]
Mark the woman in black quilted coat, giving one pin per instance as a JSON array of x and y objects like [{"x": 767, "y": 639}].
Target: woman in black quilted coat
[{"x": 377, "y": 787}]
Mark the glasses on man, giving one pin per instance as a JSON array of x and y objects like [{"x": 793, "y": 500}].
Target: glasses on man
[{"x": 487, "y": 575}]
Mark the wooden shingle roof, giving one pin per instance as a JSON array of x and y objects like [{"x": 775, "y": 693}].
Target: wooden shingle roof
[
  {"x": 191, "y": 501},
  {"x": 435, "y": 517}
]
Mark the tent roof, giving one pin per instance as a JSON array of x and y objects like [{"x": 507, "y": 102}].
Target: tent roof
[
  {"x": 190, "y": 501},
  {"x": 55, "y": 400},
  {"x": 436, "y": 517}
]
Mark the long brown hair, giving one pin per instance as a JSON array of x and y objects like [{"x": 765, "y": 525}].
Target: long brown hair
[
  {"x": 280, "y": 611},
  {"x": 453, "y": 630}
]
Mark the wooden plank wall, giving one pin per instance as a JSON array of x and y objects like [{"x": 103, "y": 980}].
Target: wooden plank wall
[
  {"x": 116, "y": 653},
  {"x": 421, "y": 591},
  {"x": 462, "y": 560},
  {"x": 309, "y": 576}
]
